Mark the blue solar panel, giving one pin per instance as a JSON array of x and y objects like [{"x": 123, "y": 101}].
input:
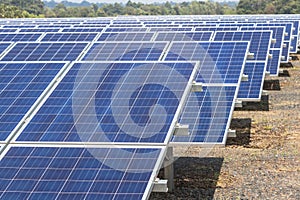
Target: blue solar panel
[
  {"x": 77, "y": 173},
  {"x": 62, "y": 37},
  {"x": 285, "y": 52},
  {"x": 126, "y": 51},
  {"x": 208, "y": 114},
  {"x": 20, "y": 85},
  {"x": 288, "y": 28},
  {"x": 3, "y": 47},
  {"x": 112, "y": 102},
  {"x": 19, "y": 26},
  {"x": 16, "y": 37},
  {"x": 39, "y": 30},
  {"x": 127, "y": 36},
  {"x": 274, "y": 63},
  {"x": 277, "y": 33},
  {"x": 220, "y": 62},
  {"x": 5, "y": 30},
  {"x": 294, "y": 44},
  {"x": 225, "y": 28},
  {"x": 125, "y": 29},
  {"x": 45, "y": 52},
  {"x": 125, "y": 25},
  {"x": 259, "y": 41},
  {"x": 183, "y": 36},
  {"x": 251, "y": 90},
  {"x": 55, "y": 26},
  {"x": 170, "y": 29},
  {"x": 76, "y": 30}
]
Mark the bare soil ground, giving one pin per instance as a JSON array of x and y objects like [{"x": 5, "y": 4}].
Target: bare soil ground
[{"x": 263, "y": 162}]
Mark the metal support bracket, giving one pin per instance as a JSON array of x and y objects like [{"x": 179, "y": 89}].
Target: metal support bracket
[
  {"x": 231, "y": 133},
  {"x": 197, "y": 87},
  {"x": 181, "y": 129},
  {"x": 282, "y": 57},
  {"x": 267, "y": 73},
  {"x": 286, "y": 34},
  {"x": 238, "y": 104},
  {"x": 264, "y": 93},
  {"x": 273, "y": 41},
  {"x": 270, "y": 56},
  {"x": 250, "y": 55},
  {"x": 245, "y": 78},
  {"x": 169, "y": 169},
  {"x": 160, "y": 185},
  {"x": 284, "y": 45}
]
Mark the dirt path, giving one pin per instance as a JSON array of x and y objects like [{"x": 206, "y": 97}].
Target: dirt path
[{"x": 263, "y": 162}]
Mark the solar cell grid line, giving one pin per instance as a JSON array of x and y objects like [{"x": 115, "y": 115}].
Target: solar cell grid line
[
  {"x": 260, "y": 41},
  {"x": 125, "y": 51},
  {"x": 79, "y": 172},
  {"x": 133, "y": 29},
  {"x": 20, "y": 86},
  {"x": 38, "y": 30},
  {"x": 277, "y": 33},
  {"x": 208, "y": 114},
  {"x": 85, "y": 29},
  {"x": 113, "y": 102},
  {"x": 251, "y": 90},
  {"x": 220, "y": 62},
  {"x": 126, "y": 36},
  {"x": 156, "y": 29},
  {"x": 62, "y": 37},
  {"x": 16, "y": 37},
  {"x": 45, "y": 51},
  {"x": 183, "y": 36}
]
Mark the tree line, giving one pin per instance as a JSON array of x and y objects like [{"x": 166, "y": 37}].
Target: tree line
[{"x": 37, "y": 8}]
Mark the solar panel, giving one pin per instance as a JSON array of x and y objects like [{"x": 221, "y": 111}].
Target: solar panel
[
  {"x": 6, "y": 30},
  {"x": 259, "y": 41},
  {"x": 277, "y": 33},
  {"x": 78, "y": 172},
  {"x": 16, "y": 37},
  {"x": 125, "y": 25},
  {"x": 125, "y": 29},
  {"x": 125, "y": 51},
  {"x": 220, "y": 62},
  {"x": 208, "y": 114},
  {"x": 274, "y": 63},
  {"x": 126, "y": 36},
  {"x": 113, "y": 102},
  {"x": 62, "y": 37},
  {"x": 3, "y": 47},
  {"x": 183, "y": 36},
  {"x": 170, "y": 29},
  {"x": 20, "y": 86},
  {"x": 38, "y": 30},
  {"x": 251, "y": 90},
  {"x": 45, "y": 51},
  {"x": 18, "y": 26},
  {"x": 75, "y": 30},
  {"x": 225, "y": 28},
  {"x": 285, "y": 52}
]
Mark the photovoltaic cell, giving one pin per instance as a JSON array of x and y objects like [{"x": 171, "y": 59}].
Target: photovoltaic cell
[
  {"x": 274, "y": 63},
  {"x": 20, "y": 86},
  {"x": 170, "y": 29},
  {"x": 183, "y": 36},
  {"x": 220, "y": 62},
  {"x": 126, "y": 36},
  {"x": 77, "y": 173},
  {"x": 5, "y": 30},
  {"x": 16, "y": 37},
  {"x": 125, "y": 51},
  {"x": 251, "y": 89},
  {"x": 112, "y": 102},
  {"x": 133, "y": 29},
  {"x": 45, "y": 51},
  {"x": 208, "y": 114},
  {"x": 3, "y": 47},
  {"x": 65, "y": 37}
]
